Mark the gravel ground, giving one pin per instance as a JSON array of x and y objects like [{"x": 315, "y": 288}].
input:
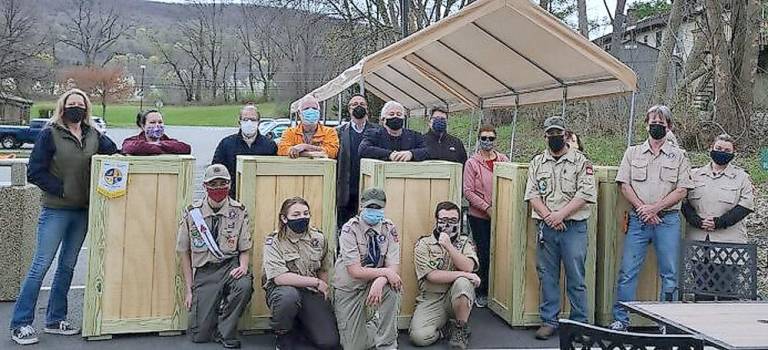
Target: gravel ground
[{"x": 757, "y": 228}]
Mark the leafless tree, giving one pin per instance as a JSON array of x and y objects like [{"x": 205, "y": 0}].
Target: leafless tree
[
  {"x": 92, "y": 28},
  {"x": 21, "y": 48},
  {"x": 668, "y": 41},
  {"x": 583, "y": 20}
]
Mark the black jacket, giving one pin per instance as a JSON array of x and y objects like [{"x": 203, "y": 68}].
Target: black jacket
[
  {"x": 445, "y": 147},
  {"x": 233, "y": 145},
  {"x": 378, "y": 144},
  {"x": 344, "y": 162}
]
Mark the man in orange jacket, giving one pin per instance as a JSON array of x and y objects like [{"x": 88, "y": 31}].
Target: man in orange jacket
[{"x": 309, "y": 138}]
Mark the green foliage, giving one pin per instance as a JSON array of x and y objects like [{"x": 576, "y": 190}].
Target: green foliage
[{"x": 650, "y": 8}]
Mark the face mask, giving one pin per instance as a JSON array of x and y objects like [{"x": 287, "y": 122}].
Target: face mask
[
  {"x": 451, "y": 229},
  {"x": 249, "y": 128},
  {"x": 720, "y": 157},
  {"x": 217, "y": 194},
  {"x": 395, "y": 123},
  {"x": 298, "y": 225},
  {"x": 359, "y": 112},
  {"x": 310, "y": 116},
  {"x": 556, "y": 143},
  {"x": 372, "y": 216},
  {"x": 74, "y": 115},
  {"x": 657, "y": 131},
  {"x": 486, "y": 145},
  {"x": 155, "y": 132},
  {"x": 440, "y": 125}
]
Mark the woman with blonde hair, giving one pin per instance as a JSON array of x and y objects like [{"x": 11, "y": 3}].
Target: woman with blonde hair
[{"x": 60, "y": 164}]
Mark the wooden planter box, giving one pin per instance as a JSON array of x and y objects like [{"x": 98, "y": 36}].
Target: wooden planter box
[
  {"x": 264, "y": 182},
  {"x": 135, "y": 283},
  {"x": 413, "y": 190},
  {"x": 514, "y": 282},
  {"x": 612, "y": 210}
]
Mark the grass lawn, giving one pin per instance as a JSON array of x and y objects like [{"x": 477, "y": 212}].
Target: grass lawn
[{"x": 124, "y": 115}]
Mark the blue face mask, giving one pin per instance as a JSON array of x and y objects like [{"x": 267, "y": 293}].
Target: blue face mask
[
  {"x": 310, "y": 116},
  {"x": 372, "y": 216},
  {"x": 439, "y": 125}
]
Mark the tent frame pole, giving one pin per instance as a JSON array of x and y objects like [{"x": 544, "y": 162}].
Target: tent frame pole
[
  {"x": 631, "y": 126},
  {"x": 565, "y": 101},
  {"x": 514, "y": 127},
  {"x": 479, "y": 124},
  {"x": 338, "y": 111},
  {"x": 361, "y": 86}
]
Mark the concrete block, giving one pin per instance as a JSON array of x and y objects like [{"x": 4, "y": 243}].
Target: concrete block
[{"x": 19, "y": 212}]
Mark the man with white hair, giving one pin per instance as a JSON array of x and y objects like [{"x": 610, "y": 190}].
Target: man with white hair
[
  {"x": 394, "y": 142},
  {"x": 310, "y": 138},
  {"x": 247, "y": 142}
]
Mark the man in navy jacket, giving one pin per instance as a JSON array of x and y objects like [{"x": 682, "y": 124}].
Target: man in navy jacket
[{"x": 393, "y": 142}]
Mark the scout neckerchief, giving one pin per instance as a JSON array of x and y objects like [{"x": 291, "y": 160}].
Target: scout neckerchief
[
  {"x": 210, "y": 241},
  {"x": 374, "y": 250}
]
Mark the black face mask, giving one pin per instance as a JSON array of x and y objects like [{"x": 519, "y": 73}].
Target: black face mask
[
  {"x": 657, "y": 131},
  {"x": 451, "y": 229},
  {"x": 298, "y": 225},
  {"x": 556, "y": 143},
  {"x": 359, "y": 112},
  {"x": 721, "y": 158},
  {"x": 74, "y": 115},
  {"x": 395, "y": 123}
]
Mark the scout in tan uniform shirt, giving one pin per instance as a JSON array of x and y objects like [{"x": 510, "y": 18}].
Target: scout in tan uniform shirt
[
  {"x": 720, "y": 199},
  {"x": 445, "y": 262},
  {"x": 214, "y": 239},
  {"x": 296, "y": 265},
  {"x": 559, "y": 187},
  {"x": 654, "y": 177},
  {"x": 367, "y": 282}
]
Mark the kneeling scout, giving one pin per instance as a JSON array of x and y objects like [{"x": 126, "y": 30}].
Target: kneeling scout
[
  {"x": 214, "y": 239},
  {"x": 445, "y": 263},
  {"x": 367, "y": 281},
  {"x": 296, "y": 264}
]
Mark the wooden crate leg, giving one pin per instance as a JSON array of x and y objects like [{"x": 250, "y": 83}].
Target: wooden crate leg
[
  {"x": 100, "y": 337},
  {"x": 169, "y": 333}
]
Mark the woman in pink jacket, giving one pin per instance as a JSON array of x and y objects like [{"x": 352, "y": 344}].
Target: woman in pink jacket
[{"x": 478, "y": 186}]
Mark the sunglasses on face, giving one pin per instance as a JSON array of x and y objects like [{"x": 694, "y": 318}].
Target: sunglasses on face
[
  {"x": 488, "y": 138},
  {"x": 451, "y": 221}
]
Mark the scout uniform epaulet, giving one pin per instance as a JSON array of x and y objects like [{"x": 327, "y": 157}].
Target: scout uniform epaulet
[
  {"x": 236, "y": 204},
  {"x": 270, "y": 238}
]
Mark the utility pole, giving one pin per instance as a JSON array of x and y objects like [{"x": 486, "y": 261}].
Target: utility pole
[
  {"x": 404, "y": 7},
  {"x": 141, "y": 98}
]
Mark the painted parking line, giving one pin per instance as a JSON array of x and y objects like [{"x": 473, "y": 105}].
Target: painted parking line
[{"x": 72, "y": 287}]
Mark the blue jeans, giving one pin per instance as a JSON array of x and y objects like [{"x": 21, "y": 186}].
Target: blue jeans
[
  {"x": 666, "y": 241},
  {"x": 65, "y": 227},
  {"x": 570, "y": 248}
]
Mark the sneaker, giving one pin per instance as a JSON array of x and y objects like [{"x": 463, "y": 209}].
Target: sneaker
[
  {"x": 618, "y": 326},
  {"x": 229, "y": 343},
  {"x": 24, "y": 335},
  {"x": 481, "y": 301},
  {"x": 62, "y": 328},
  {"x": 544, "y": 332},
  {"x": 459, "y": 339}
]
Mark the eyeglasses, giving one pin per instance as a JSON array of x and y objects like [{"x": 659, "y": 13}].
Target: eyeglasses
[
  {"x": 451, "y": 221},
  {"x": 488, "y": 138}
]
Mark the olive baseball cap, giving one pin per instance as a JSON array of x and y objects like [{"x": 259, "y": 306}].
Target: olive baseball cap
[
  {"x": 373, "y": 195},
  {"x": 216, "y": 171},
  {"x": 555, "y": 122}
]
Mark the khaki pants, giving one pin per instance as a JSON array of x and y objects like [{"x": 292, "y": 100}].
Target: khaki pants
[
  {"x": 218, "y": 300},
  {"x": 362, "y": 327},
  {"x": 433, "y": 309}
]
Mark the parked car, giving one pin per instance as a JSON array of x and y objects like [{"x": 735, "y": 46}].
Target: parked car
[
  {"x": 14, "y": 136},
  {"x": 274, "y": 131},
  {"x": 99, "y": 124}
]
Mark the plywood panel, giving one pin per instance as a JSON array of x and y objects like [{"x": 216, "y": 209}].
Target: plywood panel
[
  {"x": 113, "y": 261},
  {"x": 265, "y": 222},
  {"x": 166, "y": 227},
  {"x": 313, "y": 193},
  {"x": 532, "y": 287},
  {"x": 417, "y": 222},
  {"x": 139, "y": 251},
  {"x": 500, "y": 259},
  {"x": 287, "y": 187}
]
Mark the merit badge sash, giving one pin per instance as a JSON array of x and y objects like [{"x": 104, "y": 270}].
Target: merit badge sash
[
  {"x": 113, "y": 178},
  {"x": 197, "y": 217}
]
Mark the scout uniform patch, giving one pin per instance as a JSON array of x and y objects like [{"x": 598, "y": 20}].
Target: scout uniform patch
[{"x": 543, "y": 186}]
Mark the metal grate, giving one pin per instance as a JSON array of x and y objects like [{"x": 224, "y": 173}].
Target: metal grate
[
  {"x": 580, "y": 336},
  {"x": 718, "y": 270}
]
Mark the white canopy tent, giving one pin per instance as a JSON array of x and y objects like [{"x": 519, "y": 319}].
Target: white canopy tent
[{"x": 492, "y": 53}]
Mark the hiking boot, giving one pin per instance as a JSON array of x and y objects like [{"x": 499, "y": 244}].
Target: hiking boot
[
  {"x": 61, "y": 328},
  {"x": 618, "y": 326},
  {"x": 481, "y": 301},
  {"x": 229, "y": 343},
  {"x": 24, "y": 335},
  {"x": 544, "y": 332},
  {"x": 459, "y": 339}
]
